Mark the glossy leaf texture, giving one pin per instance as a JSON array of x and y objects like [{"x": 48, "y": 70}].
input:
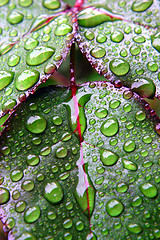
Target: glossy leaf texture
[
  {"x": 35, "y": 39},
  {"x": 121, "y": 41},
  {"x": 55, "y": 186}
]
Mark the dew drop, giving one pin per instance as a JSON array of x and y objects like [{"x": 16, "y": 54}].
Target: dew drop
[
  {"x": 129, "y": 146},
  {"x": 57, "y": 120},
  {"x": 30, "y": 44},
  {"x": 119, "y": 66},
  {"x": 134, "y": 228},
  {"x": 101, "y": 112},
  {"x": 140, "y": 115},
  {"x": 123, "y": 52},
  {"x": 25, "y": 3},
  {"x": 122, "y": 187},
  {"x": 32, "y": 160},
  {"x": 15, "y": 17},
  {"x": 10, "y": 223},
  {"x": 67, "y": 223},
  {"x": 3, "y": 2},
  {"x": 135, "y": 50},
  {"x": 50, "y": 68},
  {"x": 89, "y": 35},
  {"x": 117, "y": 36},
  {"x": 26, "y": 236},
  {"x": 51, "y": 215},
  {"x": 144, "y": 87},
  {"x": 6, "y": 77},
  {"x": 36, "y": 124},
  {"x": 129, "y": 165},
  {"x": 26, "y": 79},
  {"x": 108, "y": 158},
  {"x": 13, "y": 60},
  {"x": 51, "y": 4},
  {"x": 141, "y": 5},
  {"x": 137, "y": 201},
  {"x": 98, "y": 52},
  {"x": 9, "y": 104},
  {"x": 16, "y": 195},
  {"x": 20, "y": 206},
  {"x": 91, "y": 236},
  {"x": 156, "y": 41},
  {"x": 16, "y": 175},
  {"x": 53, "y": 192},
  {"x": 149, "y": 190},
  {"x": 110, "y": 127},
  {"x": 66, "y": 136},
  {"x": 32, "y": 214},
  {"x": 114, "y": 207},
  {"x": 139, "y": 39},
  {"x": 39, "y": 55},
  {"x": 27, "y": 185},
  {"x": 101, "y": 38},
  {"x": 152, "y": 66},
  {"x": 79, "y": 225},
  {"x": 114, "y": 104},
  {"x": 63, "y": 29},
  {"x": 61, "y": 152},
  {"x": 4, "y": 195},
  {"x": 45, "y": 151}
]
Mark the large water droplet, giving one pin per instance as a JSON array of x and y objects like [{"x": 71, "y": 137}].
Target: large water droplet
[
  {"x": 39, "y": 55},
  {"x": 4, "y": 195},
  {"x": 129, "y": 165},
  {"x": 3, "y": 2},
  {"x": 16, "y": 175},
  {"x": 30, "y": 44},
  {"x": 117, "y": 36},
  {"x": 129, "y": 146},
  {"x": 15, "y": 17},
  {"x": 156, "y": 41},
  {"x": 108, "y": 158},
  {"x": 110, "y": 127},
  {"x": 89, "y": 35},
  {"x": 36, "y": 124},
  {"x": 53, "y": 192},
  {"x": 141, "y": 5},
  {"x": 119, "y": 66},
  {"x": 114, "y": 207},
  {"x": 32, "y": 214},
  {"x": 149, "y": 190},
  {"x": 63, "y": 29},
  {"x": 6, "y": 77},
  {"x": 51, "y": 4},
  {"x": 98, "y": 52},
  {"x": 134, "y": 228},
  {"x": 26, "y": 79},
  {"x": 144, "y": 87},
  {"x": 26, "y": 236},
  {"x": 25, "y": 3}
]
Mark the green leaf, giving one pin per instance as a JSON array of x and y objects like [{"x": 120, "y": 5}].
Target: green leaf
[
  {"x": 35, "y": 39},
  {"x": 57, "y": 186}
]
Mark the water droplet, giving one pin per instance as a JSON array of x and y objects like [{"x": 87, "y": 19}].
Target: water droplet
[
  {"x": 157, "y": 233},
  {"x": 3, "y": 2},
  {"x": 107, "y": 157},
  {"x": 148, "y": 190},
  {"x": 67, "y": 223},
  {"x": 26, "y": 236},
  {"x": 4, "y": 195},
  {"x": 16, "y": 175},
  {"x": 98, "y": 52},
  {"x": 114, "y": 207},
  {"x": 36, "y": 124},
  {"x": 114, "y": 103},
  {"x": 6, "y": 77},
  {"x": 50, "y": 68},
  {"x": 129, "y": 165},
  {"x": 32, "y": 214},
  {"x": 26, "y": 79},
  {"x": 137, "y": 201},
  {"x": 156, "y": 41},
  {"x": 32, "y": 160},
  {"x": 110, "y": 127},
  {"x": 39, "y": 55},
  {"x": 134, "y": 228},
  {"x": 140, "y": 115},
  {"x": 53, "y": 192},
  {"x": 6, "y": 47},
  {"x": 63, "y": 29},
  {"x": 57, "y": 120},
  {"x": 89, "y": 35},
  {"x": 5, "y": 150},
  {"x": 135, "y": 50},
  {"x": 45, "y": 151},
  {"x": 61, "y": 152},
  {"x": 27, "y": 185},
  {"x": 122, "y": 187},
  {"x": 91, "y": 17},
  {"x": 101, "y": 112},
  {"x": 141, "y": 5},
  {"x": 30, "y": 44},
  {"x": 51, "y": 215},
  {"x": 101, "y": 38},
  {"x": 15, "y": 194},
  {"x": 144, "y": 87},
  {"x": 20, "y": 206},
  {"x": 36, "y": 141},
  {"x": 117, "y": 36},
  {"x": 79, "y": 225},
  {"x": 152, "y": 66},
  {"x": 10, "y": 223},
  {"x": 68, "y": 236},
  {"x": 15, "y": 17},
  {"x": 13, "y": 60},
  {"x": 147, "y": 139},
  {"x": 91, "y": 236},
  {"x": 138, "y": 30},
  {"x": 51, "y": 4},
  {"x": 9, "y": 104},
  {"x": 66, "y": 136},
  {"x": 157, "y": 128},
  {"x": 25, "y": 3},
  {"x": 129, "y": 146},
  {"x": 139, "y": 39},
  {"x": 123, "y": 52},
  {"x": 119, "y": 66}
]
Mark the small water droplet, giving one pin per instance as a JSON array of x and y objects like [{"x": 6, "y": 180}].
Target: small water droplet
[
  {"x": 114, "y": 103},
  {"x": 61, "y": 152},
  {"x": 51, "y": 215},
  {"x": 141, "y": 5},
  {"x": 16, "y": 175},
  {"x": 51, "y": 4},
  {"x": 149, "y": 190},
  {"x": 67, "y": 223},
  {"x": 135, "y": 50},
  {"x": 20, "y": 206},
  {"x": 26, "y": 79},
  {"x": 79, "y": 225},
  {"x": 121, "y": 187},
  {"x": 134, "y": 228},
  {"x": 45, "y": 151},
  {"x": 36, "y": 124},
  {"x": 57, "y": 120},
  {"x": 25, "y": 3},
  {"x": 32, "y": 160},
  {"x": 16, "y": 194},
  {"x": 13, "y": 60},
  {"x": 139, "y": 39},
  {"x": 32, "y": 214},
  {"x": 129, "y": 146},
  {"x": 114, "y": 207},
  {"x": 63, "y": 29},
  {"x": 30, "y": 44},
  {"x": 129, "y": 165},
  {"x": 66, "y": 136},
  {"x": 138, "y": 29},
  {"x": 119, "y": 66},
  {"x": 6, "y": 77},
  {"x": 156, "y": 41},
  {"x": 144, "y": 87},
  {"x": 140, "y": 115},
  {"x": 110, "y": 127},
  {"x": 27, "y": 185},
  {"x": 152, "y": 66},
  {"x": 15, "y": 17},
  {"x": 117, "y": 36},
  {"x": 39, "y": 55},
  {"x": 108, "y": 158},
  {"x": 101, "y": 38},
  {"x": 4, "y": 195},
  {"x": 53, "y": 192},
  {"x": 50, "y": 68},
  {"x": 89, "y": 35},
  {"x": 98, "y": 52},
  {"x": 101, "y": 112},
  {"x": 10, "y": 223},
  {"x": 137, "y": 201},
  {"x": 26, "y": 236},
  {"x": 123, "y": 52},
  {"x": 91, "y": 236}
]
